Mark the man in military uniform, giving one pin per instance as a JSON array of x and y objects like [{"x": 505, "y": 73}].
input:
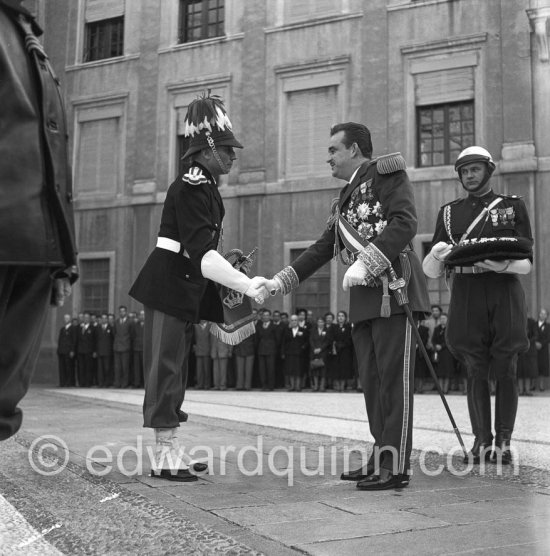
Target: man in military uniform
[
  {"x": 487, "y": 314},
  {"x": 37, "y": 247},
  {"x": 177, "y": 284},
  {"x": 373, "y": 223}
]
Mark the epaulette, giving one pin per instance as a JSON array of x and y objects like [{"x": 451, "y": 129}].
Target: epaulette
[
  {"x": 333, "y": 213},
  {"x": 389, "y": 163},
  {"x": 195, "y": 176},
  {"x": 513, "y": 197},
  {"x": 456, "y": 201}
]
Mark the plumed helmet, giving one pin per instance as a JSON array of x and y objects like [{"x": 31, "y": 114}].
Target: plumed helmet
[
  {"x": 475, "y": 154},
  {"x": 207, "y": 124}
]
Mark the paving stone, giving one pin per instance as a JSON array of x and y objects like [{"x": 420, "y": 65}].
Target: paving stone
[
  {"x": 499, "y": 536},
  {"x": 300, "y": 532},
  {"x": 506, "y": 508},
  {"x": 280, "y": 513}
]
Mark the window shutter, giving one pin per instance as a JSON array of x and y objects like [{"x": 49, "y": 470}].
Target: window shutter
[
  {"x": 97, "y": 10},
  {"x": 437, "y": 87},
  {"x": 310, "y": 114},
  {"x": 98, "y": 157}
]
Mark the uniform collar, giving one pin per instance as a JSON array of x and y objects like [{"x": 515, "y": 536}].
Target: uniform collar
[{"x": 483, "y": 200}]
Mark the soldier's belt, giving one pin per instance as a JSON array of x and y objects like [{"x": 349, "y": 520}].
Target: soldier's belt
[{"x": 469, "y": 270}]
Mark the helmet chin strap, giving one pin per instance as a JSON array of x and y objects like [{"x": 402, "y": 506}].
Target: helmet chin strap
[{"x": 223, "y": 167}]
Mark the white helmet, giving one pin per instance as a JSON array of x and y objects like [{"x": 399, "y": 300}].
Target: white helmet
[{"x": 475, "y": 154}]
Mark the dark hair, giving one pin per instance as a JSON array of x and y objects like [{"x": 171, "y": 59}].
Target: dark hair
[
  {"x": 284, "y": 314},
  {"x": 343, "y": 313},
  {"x": 329, "y": 313},
  {"x": 123, "y": 307},
  {"x": 266, "y": 311},
  {"x": 355, "y": 133}
]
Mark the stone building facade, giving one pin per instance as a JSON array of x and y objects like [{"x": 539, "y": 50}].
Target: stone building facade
[{"x": 428, "y": 77}]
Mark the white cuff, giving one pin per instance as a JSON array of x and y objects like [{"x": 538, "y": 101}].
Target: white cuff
[
  {"x": 216, "y": 268},
  {"x": 432, "y": 267}
]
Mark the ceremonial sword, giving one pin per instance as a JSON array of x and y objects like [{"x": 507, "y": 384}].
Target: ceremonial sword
[{"x": 398, "y": 286}]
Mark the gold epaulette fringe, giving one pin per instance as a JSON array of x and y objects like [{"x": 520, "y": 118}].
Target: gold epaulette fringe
[{"x": 390, "y": 163}]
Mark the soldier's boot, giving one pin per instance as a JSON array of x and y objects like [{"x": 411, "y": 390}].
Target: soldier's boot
[
  {"x": 479, "y": 408},
  {"x": 506, "y": 404}
]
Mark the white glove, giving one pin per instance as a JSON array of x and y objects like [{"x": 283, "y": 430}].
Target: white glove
[
  {"x": 522, "y": 266},
  {"x": 433, "y": 265},
  {"x": 355, "y": 275},
  {"x": 257, "y": 289}
]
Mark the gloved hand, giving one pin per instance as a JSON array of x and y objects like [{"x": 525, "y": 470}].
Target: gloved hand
[
  {"x": 355, "y": 275},
  {"x": 60, "y": 290},
  {"x": 433, "y": 262}
]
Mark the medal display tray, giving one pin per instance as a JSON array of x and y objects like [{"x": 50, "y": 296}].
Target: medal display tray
[{"x": 471, "y": 251}]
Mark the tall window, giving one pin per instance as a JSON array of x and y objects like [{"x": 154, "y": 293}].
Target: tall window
[
  {"x": 200, "y": 19},
  {"x": 94, "y": 285},
  {"x": 310, "y": 114},
  {"x": 104, "y": 39},
  {"x": 314, "y": 293},
  {"x": 443, "y": 131}
]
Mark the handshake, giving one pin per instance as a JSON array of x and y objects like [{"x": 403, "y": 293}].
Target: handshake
[{"x": 261, "y": 288}]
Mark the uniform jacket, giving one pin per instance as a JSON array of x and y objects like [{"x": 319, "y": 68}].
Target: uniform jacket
[
  {"x": 67, "y": 339},
  {"x": 86, "y": 343},
  {"x": 122, "y": 335},
  {"x": 36, "y": 213},
  {"x": 386, "y": 202},
  {"x": 104, "y": 340},
  {"x": 172, "y": 282},
  {"x": 295, "y": 345},
  {"x": 508, "y": 219},
  {"x": 267, "y": 339},
  {"x": 136, "y": 333}
]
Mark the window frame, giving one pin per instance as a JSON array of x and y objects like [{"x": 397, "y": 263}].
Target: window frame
[
  {"x": 446, "y": 106},
  {"x": 88, "y": 48},
  {"x": 78, "y": 289},
  {"x": 205, "y": 24}
]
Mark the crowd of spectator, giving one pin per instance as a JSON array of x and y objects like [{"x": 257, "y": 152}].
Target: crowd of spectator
[{"x": 295, "y": 352}]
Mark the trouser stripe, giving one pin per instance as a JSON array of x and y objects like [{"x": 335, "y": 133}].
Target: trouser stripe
[{"x": 406, "y": 395}]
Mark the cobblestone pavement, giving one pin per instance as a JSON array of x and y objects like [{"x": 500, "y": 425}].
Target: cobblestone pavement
[{"x": 273, "y": 487}]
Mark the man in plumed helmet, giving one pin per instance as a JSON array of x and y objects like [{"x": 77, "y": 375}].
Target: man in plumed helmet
[
  {"x": 478, "y": 241},
  {"x": 372, "y": 224},
  {"x": 177, "y": 284}
]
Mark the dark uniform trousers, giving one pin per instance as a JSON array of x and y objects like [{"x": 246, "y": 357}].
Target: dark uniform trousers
[
  {"x": 486, "y": 331},
  {"x": 24, "y": 295},
  {"x": 166, "y": 345},
  {"x": 66, "y": 369},
  {"x": 385, "y": 349}
]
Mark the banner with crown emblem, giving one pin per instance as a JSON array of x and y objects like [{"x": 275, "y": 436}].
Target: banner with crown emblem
[{"x": 239, "y": 321}]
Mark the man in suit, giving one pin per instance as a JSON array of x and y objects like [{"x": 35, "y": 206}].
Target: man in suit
[
  {"x": 177, "y": 284},
  {"x": 372, "y": 225},
  {"x": 122, "y": 346},
  {"x": 267, "y": 348},
  {"x": 37, "y": 246},
  {"x": 137, "y": 350},
  {"x": 104, "y": 343},
  {"x": 86, "y": 352},
  {"x": 66, "y": 351},
  {"x": 542, "y": 342}
]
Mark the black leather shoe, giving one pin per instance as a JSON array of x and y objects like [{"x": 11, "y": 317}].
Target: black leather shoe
[
  {"x": 356, "y": 475},
  {"x": 180, "y": 475},
  {"x": 182, "y": 416},
  {"x": 477, "y": 453},
  {"x": 390, "y": 482},
  {"x": 199, "y": 467}
]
